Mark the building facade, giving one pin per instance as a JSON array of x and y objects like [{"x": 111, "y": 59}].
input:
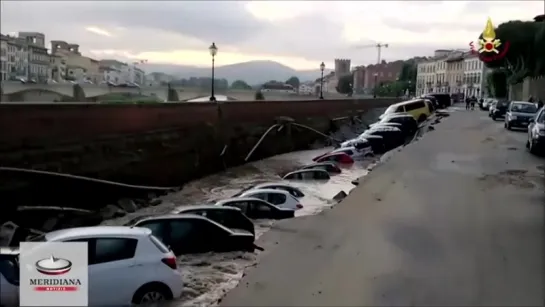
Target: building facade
[
  {"x": 381, "y": 73},
  {"x": 121, "y": 73},
  {"x": 452, "y": 72},
  {"x": 455, "y": 72},
  {"x": 78, "y": 68},
  {"x": 359, "y": 79},
  {"x": 474, "y": 76},
  {"x": 425, "y": 77},
  {"x": 3, "y": 58}
]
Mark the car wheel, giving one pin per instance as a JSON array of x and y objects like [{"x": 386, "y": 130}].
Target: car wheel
[
  {"x": 422, "y": 118},
  {"x": 150, "y": 293}
]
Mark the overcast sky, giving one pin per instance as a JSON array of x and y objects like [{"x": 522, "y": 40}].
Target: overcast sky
[{"x": 297, "y": 34}]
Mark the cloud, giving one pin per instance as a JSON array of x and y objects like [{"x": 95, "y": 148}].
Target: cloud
[
  {"x": 300, "y": 34},
  {"x": 98, "y": 31}
]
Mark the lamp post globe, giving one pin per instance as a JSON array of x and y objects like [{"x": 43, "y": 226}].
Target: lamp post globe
[
  {"x": 322, "y": 67},
  {"x": 213, "y": 51}
]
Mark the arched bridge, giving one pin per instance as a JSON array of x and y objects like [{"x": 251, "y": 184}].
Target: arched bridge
[
  {"x": 51, "y": 92},
  {"x": 90, "y": 91}
]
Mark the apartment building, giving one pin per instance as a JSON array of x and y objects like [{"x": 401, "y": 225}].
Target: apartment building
[
  {"x": 381, "y": 73},
  {"x": 452, "y": 72},
  {"x": 455, "y": 72},
  {"x": 58, "y": 67},
  {"x": 77, "y": 67},
  {"x": 425, "y": 77},
  {"x": 24, "y": 56},
  {"x": 3, "y": 58},
  {"x": 359, "y": 78},
  {"x": 119, "y": 72},
  {"x": 474, "y": 76},
  {"x": 37, "y": 56}
]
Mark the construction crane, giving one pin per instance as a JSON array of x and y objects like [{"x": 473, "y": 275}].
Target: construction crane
[{"x": 379, "y": 47}]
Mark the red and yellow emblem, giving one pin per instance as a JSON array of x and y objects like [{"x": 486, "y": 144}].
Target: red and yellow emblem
[{"x": 489, "y": 43}]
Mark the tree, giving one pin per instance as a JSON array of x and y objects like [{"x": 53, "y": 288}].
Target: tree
[
  {"x": 408, "y": 71},
  {"x": 496, "y": 83},
  {"x": 259, "y": 96},
  {"x": 240, "y": 85},
  {"x": 294, "y": 81},
  {"x": 344, "y": 86}
]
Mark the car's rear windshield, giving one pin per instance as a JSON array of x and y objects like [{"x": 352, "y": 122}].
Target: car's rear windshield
[
  {"x": 524, "y": 108},
  {"x": 159, "y": 244}
]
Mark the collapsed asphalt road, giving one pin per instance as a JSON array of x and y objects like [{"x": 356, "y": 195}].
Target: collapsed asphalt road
[{"x": 454, "y": 219}]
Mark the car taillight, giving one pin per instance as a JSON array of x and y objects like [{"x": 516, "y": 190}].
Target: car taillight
[
  {"x": 170, "y": 261},
  {"x": 299, "y": 206}
]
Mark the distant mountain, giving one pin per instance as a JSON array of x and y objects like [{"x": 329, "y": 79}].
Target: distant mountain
[{"x": 253, "y": 72}]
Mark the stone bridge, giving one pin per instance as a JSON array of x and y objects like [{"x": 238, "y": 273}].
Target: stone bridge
[{"x": 19, "y": 92}]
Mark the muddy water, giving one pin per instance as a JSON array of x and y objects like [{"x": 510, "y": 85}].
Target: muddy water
[{"x": 208, "y": 276}]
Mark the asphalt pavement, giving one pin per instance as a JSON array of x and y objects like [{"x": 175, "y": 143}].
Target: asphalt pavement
[{"x": 454, "y": 219}]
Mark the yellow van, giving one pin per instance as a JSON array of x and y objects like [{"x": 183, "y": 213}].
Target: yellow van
[{"x": 418, "y": 108}]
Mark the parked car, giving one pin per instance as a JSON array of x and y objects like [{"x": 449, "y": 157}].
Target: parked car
[
  {"x": 443, "y": 99},
  {"x": 127, "y": 265},
  {"x": 192, "y": 234},
  {"x": 295, "y": 192},
  {"x": 433, "y": 104},
  {"x": 227, "y": 216},
  {"x": 307, "y": 174},
  {"x": 376, "y": 141},
  {"x": 358, "y": 143},
  {"x": 380, "y": 123},
  {"x": 500, "y": 108},
  {"x": 329, "y": 167},
  {"x": 536, "y": 133},
  {"x": 278, "y": 198},
  {"x": 418, "y": 108},
  {"x": 9, "y": 277},
  {"x": 364, "y": 149},
  {"x": 408, "y": 123},
  {"x": 256, "y": 208},
  {"x": 519, "y": 114},
  {"x": 338, "y": 157},
  {"x": 393, "y": 137}
]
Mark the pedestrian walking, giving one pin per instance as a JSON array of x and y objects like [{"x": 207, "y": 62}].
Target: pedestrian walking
[
  {"x": 467, "y": 103},
  {"x": 473, "y": 100}
]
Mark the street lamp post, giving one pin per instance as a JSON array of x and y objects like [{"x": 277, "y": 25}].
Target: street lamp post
[
  {"x": 213, "y": 51},
  {"x": 322, "y": 67},
  {"x": 375, "y": 75}
]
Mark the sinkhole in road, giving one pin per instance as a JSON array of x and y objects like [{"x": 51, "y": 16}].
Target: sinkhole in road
[{"x": 208, "y": 277}]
